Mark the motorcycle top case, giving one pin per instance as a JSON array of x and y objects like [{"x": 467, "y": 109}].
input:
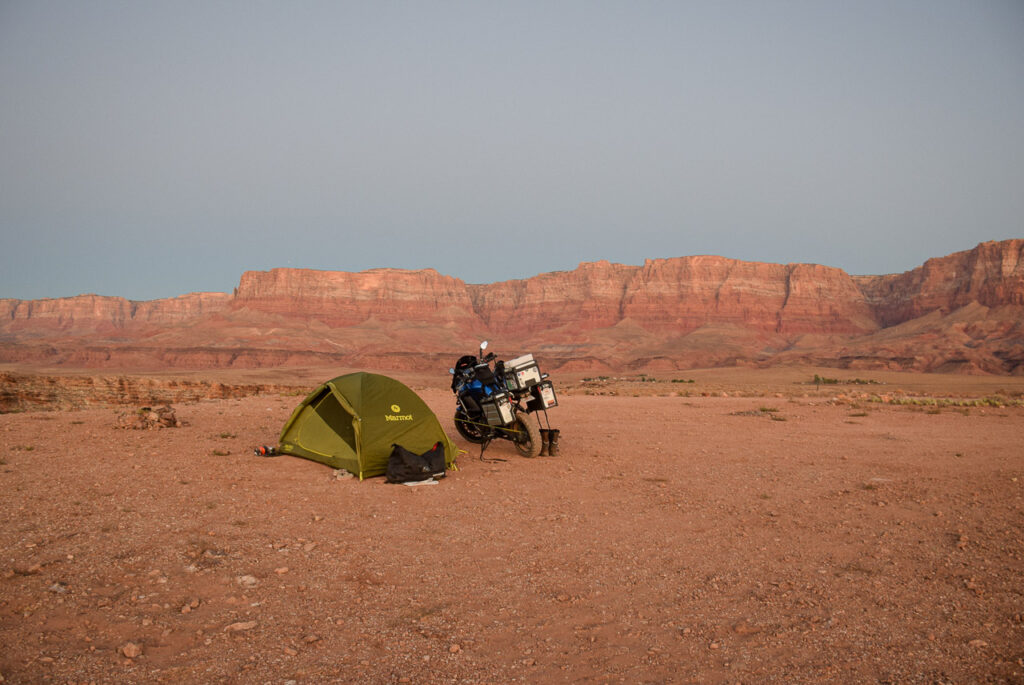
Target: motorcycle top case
[
  {"x": 497, "y": 409},
  {"x": 522, "y": 373},
  {"x": 543, "y": 397}
]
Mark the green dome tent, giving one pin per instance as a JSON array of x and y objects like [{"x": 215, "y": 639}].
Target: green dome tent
[{"x": 350, "y": 422}]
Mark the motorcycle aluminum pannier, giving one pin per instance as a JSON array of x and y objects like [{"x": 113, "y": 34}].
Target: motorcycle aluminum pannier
[
  {"x": 497, "y": 409},
  {"x": 522, "y": 373},
  {"x": 543, "y": 397}
]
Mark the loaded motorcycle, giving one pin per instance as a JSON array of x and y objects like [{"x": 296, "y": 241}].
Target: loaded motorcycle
[{"x": 495, "y": 402}]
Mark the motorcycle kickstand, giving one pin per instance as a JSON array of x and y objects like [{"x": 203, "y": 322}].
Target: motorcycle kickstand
[{"x": 483, "y": 446}]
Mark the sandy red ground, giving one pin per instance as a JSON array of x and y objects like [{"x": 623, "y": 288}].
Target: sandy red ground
[{"x": 675, "y": 539}]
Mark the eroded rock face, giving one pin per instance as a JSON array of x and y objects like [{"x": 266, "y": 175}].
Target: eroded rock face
[
  {"x": 667, "y": 313},
  {"x": 992, "y": 274},
  {"x": 677, "y": 296},
  {"x": 339, "y": 298},
  {"x": 99, "y": 313},
  {"x": 681, "y": 295},
  {"x": 589, "y": 297}
]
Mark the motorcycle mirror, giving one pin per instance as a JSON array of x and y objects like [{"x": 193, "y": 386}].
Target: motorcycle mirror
[
  {"x": 451, "y": 371},
  {"x": 483, "y": 345}
]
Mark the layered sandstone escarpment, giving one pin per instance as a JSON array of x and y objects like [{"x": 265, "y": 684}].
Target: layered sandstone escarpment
[
  {"x": 92, "y": 313},
  {"x": 965, "y": 310},
  {"x": 589, "y": 297},
  {"x": 677, "y": 296},
  {"x": 681, "y": 295},
  {"x": 339, "y": 298},
  {"x": 992, "y": 274}
]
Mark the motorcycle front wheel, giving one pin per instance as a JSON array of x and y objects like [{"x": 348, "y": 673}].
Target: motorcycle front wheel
[
  {"x": 527, "y": 436},
  {"x": 468, "y": 429}
]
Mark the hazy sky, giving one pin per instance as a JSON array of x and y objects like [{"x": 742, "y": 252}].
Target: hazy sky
[{"x": 149, "y": 149}]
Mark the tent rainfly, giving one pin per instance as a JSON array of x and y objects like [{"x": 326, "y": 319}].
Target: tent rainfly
[{"x": 351, "y": 422}]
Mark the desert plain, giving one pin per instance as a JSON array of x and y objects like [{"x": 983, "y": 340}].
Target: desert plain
[{"x": 709, "y": 526}]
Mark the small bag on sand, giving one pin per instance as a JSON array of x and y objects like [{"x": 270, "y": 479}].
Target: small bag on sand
[{"x": 405, "y": 466}]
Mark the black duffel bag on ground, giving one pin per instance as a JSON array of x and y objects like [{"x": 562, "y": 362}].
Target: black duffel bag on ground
[{"x": 407, "y": 467}]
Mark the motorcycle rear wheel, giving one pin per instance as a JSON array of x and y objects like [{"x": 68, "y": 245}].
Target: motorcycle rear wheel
[
  {"x": 468, "y": 429},
  {"x": 527, "y": 436}
]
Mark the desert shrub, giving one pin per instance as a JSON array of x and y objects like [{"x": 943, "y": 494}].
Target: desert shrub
[{"x": 823, "y": 380}]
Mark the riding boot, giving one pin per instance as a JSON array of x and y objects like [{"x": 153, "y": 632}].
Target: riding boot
[
  {"x": 545, "y": 440},
  {"x": 553, "y": 443}
]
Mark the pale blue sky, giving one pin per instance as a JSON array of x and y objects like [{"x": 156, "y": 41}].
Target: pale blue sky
[{"x": 149, "y": 149}]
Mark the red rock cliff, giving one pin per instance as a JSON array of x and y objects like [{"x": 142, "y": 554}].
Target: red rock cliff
[
  {"x": 609, "y": 313},
  {"x": 92, "y": 313},
  {"x": 681, "y": 295},
  {"x": 992, "y": 274},
  {"x": 589, "y": 297},
  {"x": 339, "y": 298}
]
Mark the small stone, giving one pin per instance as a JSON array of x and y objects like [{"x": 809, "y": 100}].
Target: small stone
[
  {"x": 744, "y": 628},
  {"x": 247, "y": 581},
  {"x": 242, "y": 625},
  {"x": 281, "y": 571},
  {"x": 186, "y": 609},
  {"x": 310, "y": 639},
  {"x": 454, "y": 649},
  {"x": 714, "y": 645},
  {"x": 528, "y": 662},
  {"x": 131, "y": 650},
  {"x": 289, "y": 651},
  {"x": 308, "y": 547},
  {"x": 563, "y": 597},
  {"x": 977, "y": 644}
]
